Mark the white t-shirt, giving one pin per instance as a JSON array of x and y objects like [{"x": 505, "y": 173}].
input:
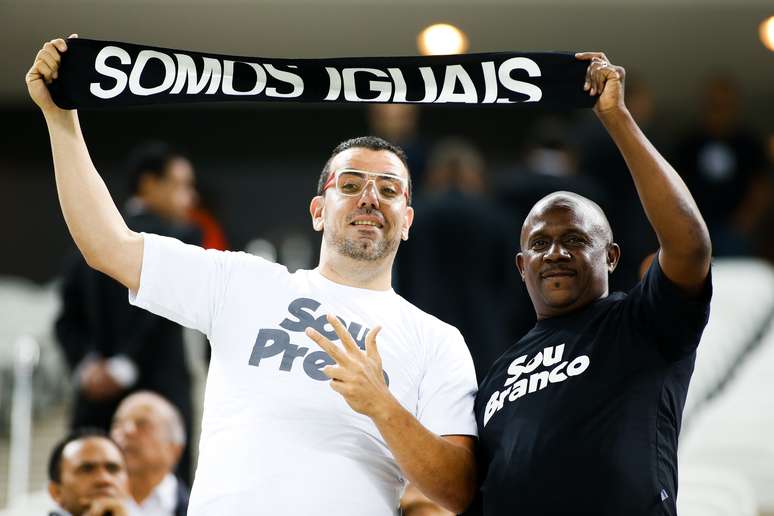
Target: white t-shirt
[{"x": 276, "y": 439}]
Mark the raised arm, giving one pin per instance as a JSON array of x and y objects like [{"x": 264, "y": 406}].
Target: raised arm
[
  {"x": 95, "y": 223},
  {"x": 682, "y": 234}
]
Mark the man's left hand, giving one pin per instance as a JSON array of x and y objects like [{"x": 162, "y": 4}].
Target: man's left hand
[
  {"x": 358, "y": 374},
  {"x": 606, "y": 80}
]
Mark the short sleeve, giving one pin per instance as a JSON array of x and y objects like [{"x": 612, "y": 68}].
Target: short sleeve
[
  {"x": 448, "y": 389},
  {"x": 182, "y": 282},
  {"x": 674, "y": 318}
]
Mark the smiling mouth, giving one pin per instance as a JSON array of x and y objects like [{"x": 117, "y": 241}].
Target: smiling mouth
[{"x": 367, "y": 223}]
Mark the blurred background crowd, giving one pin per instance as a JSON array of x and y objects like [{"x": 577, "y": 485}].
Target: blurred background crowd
[{"x": 240, "y": 177}]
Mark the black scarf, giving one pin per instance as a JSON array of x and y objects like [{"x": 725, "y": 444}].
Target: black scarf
[{"x": 104, "y": 74}]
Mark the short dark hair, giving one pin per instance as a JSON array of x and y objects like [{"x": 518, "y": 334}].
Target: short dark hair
[
  {"x": 149, "y": 158},
  {"x": 55, "y": 460},
  {"x": 364, "y": 142}
]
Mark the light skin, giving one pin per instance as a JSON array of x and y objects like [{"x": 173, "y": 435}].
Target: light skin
[
  {"x": 97, "y": 383},
  {"x": 441, "y": 467},
  {"x": 587, "y": 257},
  {"x": 142, "y": 428},
  {"x": 93, "y": 478},
  {"x": 335, "y": 215}
]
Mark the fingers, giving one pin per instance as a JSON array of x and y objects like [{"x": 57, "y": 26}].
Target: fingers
[
  {"x": 596, "y": 74},
  {"x": 52, "y": 61},
  {"x": 59, "y": 43},
  {"x": 370, "y": 344},
  {"x": 329, "y": 347},
  {"x": 341, "y": 331},
  {"x": 595, "y": 57},
  {"x": 336, "y": 373},
  {"x": 588, "y": 56},
  {"x": 599, "y": 71},
  {"x": 47, "y": 60}
]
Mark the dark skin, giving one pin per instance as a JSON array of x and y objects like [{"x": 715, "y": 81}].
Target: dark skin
[
  {"x": 568, "y": 267},
  {"x": 567, "y": 254}
]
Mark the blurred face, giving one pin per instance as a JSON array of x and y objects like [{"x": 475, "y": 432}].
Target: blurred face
[
  {"x": 565, "y": 258},
  {"x": 363, "y": 227},
  {"x": 172, "y": 195},
  {"x": 395, "y": 122},
  {"x": 141, "y": 428},
  {"x": 91, "y": 468}
]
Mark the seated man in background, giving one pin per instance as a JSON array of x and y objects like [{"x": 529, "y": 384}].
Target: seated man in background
[
  {"x": 87, "y": 475},
  {"x": 150, "y": 432}
]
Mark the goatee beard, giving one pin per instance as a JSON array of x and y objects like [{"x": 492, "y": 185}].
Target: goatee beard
[{"x": 361, "y": 250}]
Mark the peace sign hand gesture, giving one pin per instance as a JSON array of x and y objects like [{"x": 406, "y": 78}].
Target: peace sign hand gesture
[{"x": 357, "y": 375}]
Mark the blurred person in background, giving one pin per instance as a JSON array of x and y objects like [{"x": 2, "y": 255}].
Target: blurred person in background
[
  {"x": 600, "y": 160},
  {"x": 582, "y": 415},
  {"x": 112, "y": 347},
  {"x": 459, "y": 264},
  {"x": 399, "y": 124},
  {"x": 723, "y": 163},
  {"x": 151, "y": 433},
  {"x": 202, "y": 216},
  {"x": 87, "y": 476},
  {"x": 548, "y": 163}
]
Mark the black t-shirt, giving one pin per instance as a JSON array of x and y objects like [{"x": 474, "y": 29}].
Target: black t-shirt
[{"x": 582, "y": 415}]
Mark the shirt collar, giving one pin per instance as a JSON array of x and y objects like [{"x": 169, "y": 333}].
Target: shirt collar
[{"x": 166, "y": 492}]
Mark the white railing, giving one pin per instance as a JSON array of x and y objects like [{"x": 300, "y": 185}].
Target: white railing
[{"x": 26, "y": 356}]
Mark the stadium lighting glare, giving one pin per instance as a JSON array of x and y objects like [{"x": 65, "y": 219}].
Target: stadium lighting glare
[
  {"x": 442, "y": 39},
  {"x": 766, "y": 31}
]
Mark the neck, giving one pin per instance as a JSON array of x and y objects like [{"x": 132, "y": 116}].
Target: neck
[
  {"x": 376, "y": 275},
  {"x": 142, "y": 484}
]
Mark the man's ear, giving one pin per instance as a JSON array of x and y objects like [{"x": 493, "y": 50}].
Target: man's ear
[
  {"x": 613, "y": 257},
  {"x": 316, "y": 209},
  {"x": 520, "y": 265},
  {"x": 55, "y": 490},
  {"x": 407, "y": 221}
]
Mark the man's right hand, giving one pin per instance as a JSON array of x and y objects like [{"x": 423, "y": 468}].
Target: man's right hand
[
  {"x": 44, "y": 71},
  {"x": 106, "y": 506}
]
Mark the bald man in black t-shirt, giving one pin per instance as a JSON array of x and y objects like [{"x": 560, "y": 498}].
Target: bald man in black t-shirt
[{"x": 582, "y": 415}]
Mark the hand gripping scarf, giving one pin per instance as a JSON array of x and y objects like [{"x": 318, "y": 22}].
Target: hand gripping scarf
[{"x": 104, "y": 74}]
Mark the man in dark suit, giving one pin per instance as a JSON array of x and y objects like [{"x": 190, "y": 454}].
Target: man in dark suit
[
  {"x": 115, "y": 349},
  {"x": 463, "y": 284}
]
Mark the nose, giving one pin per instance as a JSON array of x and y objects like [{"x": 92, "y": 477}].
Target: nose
[
  {"x": 104, "y": 477},
  {"x": 557, "y": 253},
  {"x": 369, "y": 197}
]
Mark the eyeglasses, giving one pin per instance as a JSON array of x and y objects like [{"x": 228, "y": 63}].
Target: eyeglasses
[{"x": 352, "y": 182}]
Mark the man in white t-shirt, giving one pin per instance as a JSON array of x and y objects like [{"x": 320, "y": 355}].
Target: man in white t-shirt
[{"x": 303, "y": 414}]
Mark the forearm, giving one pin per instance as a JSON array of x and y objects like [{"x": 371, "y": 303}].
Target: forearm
[
  {"x": 668, "y": 204},
  {"x": 89, "y": 211},
  {"x": 414, "y": 503},
  {"x": 443, "y": 471}
]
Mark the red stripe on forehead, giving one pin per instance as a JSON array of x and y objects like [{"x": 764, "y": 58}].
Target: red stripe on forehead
[{"x": 329, "y": 181}]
